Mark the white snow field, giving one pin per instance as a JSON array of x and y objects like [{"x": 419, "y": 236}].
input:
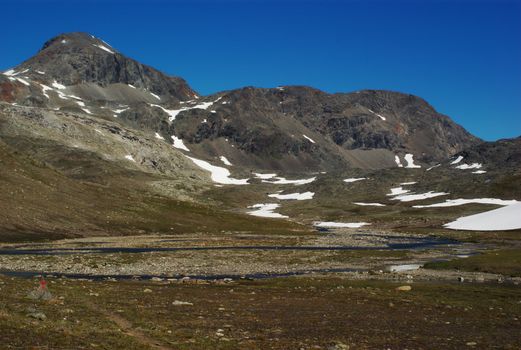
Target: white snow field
[
  {"x": 266, "y": 210},
  {"x": 339, "y": 224},
  {"x": 218, "y": 174},
  {"x": 506, "y": 218},
  {"x": 295, "y": 196}
]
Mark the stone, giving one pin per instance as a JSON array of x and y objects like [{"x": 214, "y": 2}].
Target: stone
[
  {"x": 338, "y": 346},
  {"x": 403, "y": 288},
  {"x": 37, "y": 315},
  {"x": 146, "y": 290}
]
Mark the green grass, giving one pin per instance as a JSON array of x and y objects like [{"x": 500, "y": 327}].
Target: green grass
[{"x": 506, "y": 262}]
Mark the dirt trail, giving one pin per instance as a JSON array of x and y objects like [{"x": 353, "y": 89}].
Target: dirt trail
[{"x": 128, "y": 329}]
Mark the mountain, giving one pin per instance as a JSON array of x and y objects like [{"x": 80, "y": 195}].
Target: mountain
[{"x": 288, "y": 128}]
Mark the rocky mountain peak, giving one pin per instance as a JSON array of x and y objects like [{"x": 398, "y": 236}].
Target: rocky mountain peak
[
  {"x": 75, "y": 40},
  {"x": 74, "y": 59}
]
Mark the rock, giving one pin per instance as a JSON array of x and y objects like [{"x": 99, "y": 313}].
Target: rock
[
  {"x": 156, "y": 279},
  {"x": 403, "y": 288},
  {"x": 338, "y": 346},
  {"x": 471, "y": 343},
  {"x": 461, "y": 279},
  {"x": 37, "y": 315},
  {"x": 178, "y": 302},
  {"x": 40, "y": 294},
  {"x": 146, "y": 290}
]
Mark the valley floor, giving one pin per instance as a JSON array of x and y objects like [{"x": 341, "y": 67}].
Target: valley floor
[{"x": 331, "y": 290}]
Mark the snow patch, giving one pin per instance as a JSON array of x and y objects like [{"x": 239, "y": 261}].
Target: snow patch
[
  {"x": 266, "y": 210},
  {"x": 398, "y": 162},
  {"x": 461, "y": 201},
  {"x": 339, "y": 224},
  {"x": 295, "y": 196},
  {"x": 506, "y": 218},
  {"x": 46, "y": 88},
  {"x": 156, "y": 96},
  {"x": 308, "y": 138},
  {"x": 370, "y": 204},
  {"x": 479, "y": 172},
  {"x": 408, "y": 183},
  {"x": 264, "y": 176},
  {"x": 418, "y": 196},
  {"x": 104, "y": 48},
  {"x": 398, "y": 191},
  {"x": 174, "y": 112},
  {"x": 378, "y": 115},
  {"x": 282, "y": 181},
  {"x": 404, "y": 267},
  {"x": 159, "y": 137},
  {"x": 129, "y": 157},
  {"x": 469, "y": 166},
  {"x": 225, "y": 160},
  {"x": 178, "y": 143},
  {"x": 23, "y": 81},
  {"x": 432, "y": 167},
  {"x": 355, "y": 179},
  {"x": 10, "y": 73},
  {"x": 459, "y": 159},
  {"x": 218, "y": 174},
  {"x": 409, "y": 158},
  {"x": 58, "y": 86},
  {"x": 118, "y": 111}
]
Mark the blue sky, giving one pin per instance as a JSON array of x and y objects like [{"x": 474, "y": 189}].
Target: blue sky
[{"x": 463, "y": 57}]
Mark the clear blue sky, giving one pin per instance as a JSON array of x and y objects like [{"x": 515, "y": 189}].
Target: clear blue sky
[{"x": 464, "y": 57}]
